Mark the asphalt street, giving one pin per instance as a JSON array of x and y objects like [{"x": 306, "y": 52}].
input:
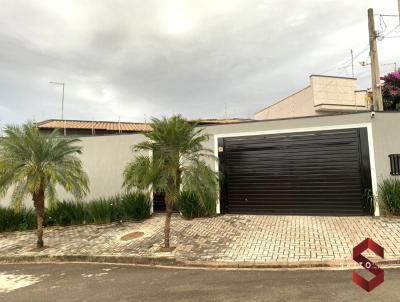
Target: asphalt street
[{"x": 101, "y": 282}]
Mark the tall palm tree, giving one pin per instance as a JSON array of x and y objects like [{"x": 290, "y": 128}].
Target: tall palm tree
[
  {"x": 178, "y": 162},
  {"x": 32, "y": 163}
]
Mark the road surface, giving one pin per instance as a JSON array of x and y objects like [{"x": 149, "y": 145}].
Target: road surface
[{"x": 111, "y": 283}]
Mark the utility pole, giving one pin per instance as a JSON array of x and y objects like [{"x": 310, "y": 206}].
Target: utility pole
[
  {"x": 373, "y": 52},
  {"x": 398, "y": 4},
  {"x": 352, "y": 62}
]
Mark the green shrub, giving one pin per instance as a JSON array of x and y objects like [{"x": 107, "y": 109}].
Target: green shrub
[
  {"x": 190, "y": 206},
  {"x": 136, "y": 206},
  {"x": 389, "y": 194},
  {"x": 67, "y": 213},
  {"x": 105, "y": 210},
  {"x": 11, "y": 220},
  {"x": 28, "y": 221}
]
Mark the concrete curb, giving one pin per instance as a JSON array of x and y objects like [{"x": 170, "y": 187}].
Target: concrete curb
[{"x": 173, "y": 262}]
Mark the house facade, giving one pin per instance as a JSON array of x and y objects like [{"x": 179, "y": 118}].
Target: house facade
[
  {"x": 324, "y": 95},
  {"x": 318, "y": 165}
]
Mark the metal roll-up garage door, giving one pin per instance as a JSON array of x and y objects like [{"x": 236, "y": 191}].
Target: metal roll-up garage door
[{"x": 309, "y": 173}]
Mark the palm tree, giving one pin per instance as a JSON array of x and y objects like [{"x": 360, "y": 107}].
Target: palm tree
[
  {"x": 32, "y": 163},
  {"x": 178, "y": 163}
]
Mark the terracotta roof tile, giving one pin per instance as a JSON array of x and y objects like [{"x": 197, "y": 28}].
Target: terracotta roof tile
[
  {"x": 97, "y": 125},
  {"x": 121, "y": 126}
]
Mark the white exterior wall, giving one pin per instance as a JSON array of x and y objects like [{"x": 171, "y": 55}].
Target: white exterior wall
[
  {"x": 324, "y": 96},
  {"x": 337, "y": 94},
  {"x": 105, "y": 157},
  {"x": 298, "y": 104}
]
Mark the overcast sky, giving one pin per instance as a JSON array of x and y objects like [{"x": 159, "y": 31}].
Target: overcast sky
[{"x": 136, "y": 59}]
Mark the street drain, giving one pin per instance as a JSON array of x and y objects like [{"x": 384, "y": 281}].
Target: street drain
[{"x": 131, "y": 236}]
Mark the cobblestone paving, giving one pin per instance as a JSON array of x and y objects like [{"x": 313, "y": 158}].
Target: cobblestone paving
[{"x": 226, "y": 238}]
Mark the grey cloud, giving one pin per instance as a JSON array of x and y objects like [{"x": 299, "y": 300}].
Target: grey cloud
[{"x": 117, "y": 59}]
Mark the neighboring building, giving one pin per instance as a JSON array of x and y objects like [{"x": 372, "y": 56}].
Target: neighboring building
[
  {"x": 324, "y": 95},
  {"x": 84, "y": 128}
]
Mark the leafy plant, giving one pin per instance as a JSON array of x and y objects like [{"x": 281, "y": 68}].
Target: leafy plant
[
  {"x": 67, "y": 213},
  {"x": 12, "y": 220},
  {"x": 136, "y": 205},
  {"x": 389, "y": 194},
  {"x": 28, "y": 221},
  {"x": 368, "y": 201},
  {"x": 391, "y": 91},
  {"x": 33, "y": 163},
  {"x": 105, "y": 210},
  {"x": 178, "y": 161},
  {"x": 190, "y": 206}
]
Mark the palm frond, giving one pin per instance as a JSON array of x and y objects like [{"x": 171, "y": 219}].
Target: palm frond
[
  {"x": 201, "y": 180},
  {"x": 31, "y": 161},
  {"x": 179, "y": 156}
]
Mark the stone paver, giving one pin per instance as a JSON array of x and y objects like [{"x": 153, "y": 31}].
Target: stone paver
[{"x": 226, "y": 238}]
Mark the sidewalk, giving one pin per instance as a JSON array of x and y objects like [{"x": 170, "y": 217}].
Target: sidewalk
[{"x": 223, "y": 241}]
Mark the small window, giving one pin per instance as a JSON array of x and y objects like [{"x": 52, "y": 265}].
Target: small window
[{"x": 394, "y": 164}]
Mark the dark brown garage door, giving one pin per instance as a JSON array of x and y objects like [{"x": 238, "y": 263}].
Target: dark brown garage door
[{"x": 310, "y": 173}]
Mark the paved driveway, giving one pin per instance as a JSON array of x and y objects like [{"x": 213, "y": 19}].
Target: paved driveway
[{"x": 226, "y": 239}]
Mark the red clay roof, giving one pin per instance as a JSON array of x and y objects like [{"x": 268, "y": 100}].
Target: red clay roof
[
  {"x": 120, "y": 126},
  {"x": 97, "y": 125}
]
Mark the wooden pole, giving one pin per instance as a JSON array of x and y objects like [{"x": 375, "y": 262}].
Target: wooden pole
[
  {"x": 398, "y": 4},
  {"x": 375, "y": 74}
]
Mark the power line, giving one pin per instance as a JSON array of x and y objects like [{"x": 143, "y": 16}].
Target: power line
[
  {"x": 345, "y": 63},
  {"x": 381, "y": 37}
]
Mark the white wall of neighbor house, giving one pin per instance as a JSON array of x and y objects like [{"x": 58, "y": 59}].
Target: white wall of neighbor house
[
  {"x": 332, "y": 90},
  {"x": 298, "y": 104},
  {"x": 324, "y": 95}
]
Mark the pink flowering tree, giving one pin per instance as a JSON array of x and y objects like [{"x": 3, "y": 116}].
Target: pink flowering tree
[{"x": 391, "y": 91}]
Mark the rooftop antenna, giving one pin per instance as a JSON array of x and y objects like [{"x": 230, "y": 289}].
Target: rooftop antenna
[
  {"x": 352, "y": 62},
  {"x": 119, "y": 124},
  {"x": 93, "y": 130},
  {"x": 62, "y": 84}
]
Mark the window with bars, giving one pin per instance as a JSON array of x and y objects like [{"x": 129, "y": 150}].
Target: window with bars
[{"x": 394, "y": 164}]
